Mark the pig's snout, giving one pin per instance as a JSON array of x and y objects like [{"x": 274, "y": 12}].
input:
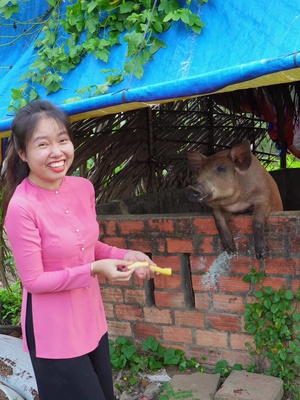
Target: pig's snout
[{"x": 195, "y": 194}]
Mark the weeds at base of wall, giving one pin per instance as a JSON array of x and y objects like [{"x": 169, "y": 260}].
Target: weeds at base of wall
[{"x": 273, "y": 320}]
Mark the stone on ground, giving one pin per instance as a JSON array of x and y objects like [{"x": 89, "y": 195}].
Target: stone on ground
[
  {"x": 242, "y": 385},
  {"x": 196, "y": 386}
]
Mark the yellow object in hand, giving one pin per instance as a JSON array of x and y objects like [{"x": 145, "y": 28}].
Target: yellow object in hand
[{"x": 158, "y": 270}]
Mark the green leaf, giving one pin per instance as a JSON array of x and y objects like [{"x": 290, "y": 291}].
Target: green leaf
[
  {"x": 52, "y": 3},
  {"x": 289, "y": 295},
  {"x": 150, "y": 344},
  {"x": 4, "y": 2},
  {"x": 91, "y": 6},
  {"x": 128, "y": 351},
  {"x": 267, "y": 303},
  {"x": 297, "y": 360},
  {"x": 126, "y": 7}
]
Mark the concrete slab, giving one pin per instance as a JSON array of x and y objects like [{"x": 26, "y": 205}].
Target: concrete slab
[
  {"x": 242, "y": 385},
  {"x": 196, "y": 386}
]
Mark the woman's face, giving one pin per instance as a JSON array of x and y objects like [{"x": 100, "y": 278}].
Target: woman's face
[{"x": 49, "y": 154}]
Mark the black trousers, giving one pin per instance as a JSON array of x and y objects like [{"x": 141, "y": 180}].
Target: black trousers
[{"x": 88, "y": 377}]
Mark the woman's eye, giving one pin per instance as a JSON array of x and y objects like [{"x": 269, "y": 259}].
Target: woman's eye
[{"x": 42, "y": 144}]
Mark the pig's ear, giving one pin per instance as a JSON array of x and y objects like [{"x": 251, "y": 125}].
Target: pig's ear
[
  {"x": 241, "y": 156},
  {"x": 195, "y": 160}
]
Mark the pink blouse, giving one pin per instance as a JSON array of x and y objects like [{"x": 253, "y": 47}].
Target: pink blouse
[{"x": 54, "y": 238}]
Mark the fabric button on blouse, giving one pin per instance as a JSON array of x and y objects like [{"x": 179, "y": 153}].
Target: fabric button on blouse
[{"x": 67, "y": 211}]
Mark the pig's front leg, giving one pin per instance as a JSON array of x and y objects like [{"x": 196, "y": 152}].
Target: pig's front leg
[
  {"x": 221, "y": 220},
  {"x": 258, "y": 224}
]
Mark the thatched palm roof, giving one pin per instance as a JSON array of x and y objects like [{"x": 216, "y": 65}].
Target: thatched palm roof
[{"x": 149, "y": 144}]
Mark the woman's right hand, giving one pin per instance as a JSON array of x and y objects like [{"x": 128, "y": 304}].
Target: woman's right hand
[{"x": 112, "y": 269}]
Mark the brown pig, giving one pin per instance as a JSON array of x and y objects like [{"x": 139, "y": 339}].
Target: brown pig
[{"x": 234, "y": 181}]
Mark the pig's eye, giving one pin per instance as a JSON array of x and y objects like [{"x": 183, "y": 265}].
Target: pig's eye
[{"x": 221, "y": 168}]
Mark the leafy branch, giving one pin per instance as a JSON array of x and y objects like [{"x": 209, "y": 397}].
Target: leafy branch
[{"x": 94, "y": 28}]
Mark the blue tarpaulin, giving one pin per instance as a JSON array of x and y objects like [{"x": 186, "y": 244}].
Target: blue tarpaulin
[{"x": 244, "y": 44}]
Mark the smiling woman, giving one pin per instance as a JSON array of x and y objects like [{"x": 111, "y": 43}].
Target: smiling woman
[
  {"x": 49, "y": 154},
  {"x": 58, "y": 254}
]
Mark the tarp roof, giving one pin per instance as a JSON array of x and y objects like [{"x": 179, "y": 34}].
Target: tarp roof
[{"x": 244, "y": 44}]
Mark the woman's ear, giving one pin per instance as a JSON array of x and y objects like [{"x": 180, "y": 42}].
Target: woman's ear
[{"x": 22, "y": 155}]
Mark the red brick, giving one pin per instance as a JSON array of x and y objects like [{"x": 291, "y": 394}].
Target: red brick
[
  {"x": 201, "y": 264},
  {"x": 205, "y": 356},
  {"x": 241, "y": 224},
  {"x": 169, "y": 299},
  {"x": 205, "y": 226},
  {"x": 281, "y": 225},
  {"x": 202, "y": 284},
  {"x": 233, "y": 284},
  {"x": 167, "y": 282},
  {"x": 243, "y": 246},
  {"x": 162, "y": 245},
  {"x": 236, "y": 357},
  {"x": 161, "y": 225},
  {"x": 243, "y": 265},
  {"x": 194, "y": 319},
  {"x": 157, "y": 316},
  {"x": 202, "y": 301},
  {"x": 142, "y": 331},
  {"x": 110, "y": 227},
  {"x": 228, "y": 303},
  {"x": 117, "y": 328},
  {"x": 223, "y": 322},
  {"x": 282, "y": 266},
  {"x": 134, "y": 296},
  {"x": 115, "y": 241},
  {"x": 174, "y": 334},
  {"x": 295, "y": 285},
  {"x": 294, "y": 245},
  {"x": 168, "y": 262},
  {"x": 212, "y": 339},
  {"x": 180, "y": 245},
  {"x": 207, "y": 245},
  {"x": 109, "y": 310},
  {"x": 131, "y": 227},
  {"x": 238, "y": 340},
  {"x": 127, "y": 312},
  {"x": 112, "y": 295},
  {"x": 141, "y": 244},
  {"x": 183, "y": 225},
  {"x": 275, "y": 283},
  {"x": 275, "y": 245}
]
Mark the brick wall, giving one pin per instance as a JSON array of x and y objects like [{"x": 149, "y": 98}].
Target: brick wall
[{"x": 200, "y": 308}]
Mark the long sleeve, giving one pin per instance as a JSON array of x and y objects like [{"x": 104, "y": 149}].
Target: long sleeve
[{"x": 26, "y": 245}]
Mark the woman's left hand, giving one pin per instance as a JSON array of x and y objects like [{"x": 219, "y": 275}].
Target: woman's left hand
[{"x": 144, "y": 272}]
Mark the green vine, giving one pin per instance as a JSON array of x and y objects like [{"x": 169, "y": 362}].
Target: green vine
[
  {"x": 273, "y": 320},
  {"x": 96, "y": 27}
]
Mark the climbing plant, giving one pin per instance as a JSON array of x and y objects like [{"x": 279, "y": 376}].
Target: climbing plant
[
  {"x": 274, "y": 321},
  {"x": 67, "y": 32}
]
